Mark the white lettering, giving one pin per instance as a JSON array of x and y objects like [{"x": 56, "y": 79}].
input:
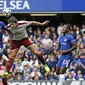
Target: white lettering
[
  {"x": 48, "y": 83},
  {"x": 43, "y": 83},
  {"x": 75, "y": 83},
  {"x": 5, "y": 5},
  {"x": 26, "y": 5},
  {"x": 21, "y": 83},
  {"x": 16, "y": 83},
  {"x": 37, "y": 83},
  {"x": 32, "y": 83},
  {"x": 1, "y": 5},
  {"x": 28, "y": 83},
  {"x": 13, "y": 6},
  {"x": 19, "y": 5}
]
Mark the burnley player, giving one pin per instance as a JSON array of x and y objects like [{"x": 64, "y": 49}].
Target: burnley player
[
  {"x": 67, "y": 44},
  {"x": 20, "y": 37}
]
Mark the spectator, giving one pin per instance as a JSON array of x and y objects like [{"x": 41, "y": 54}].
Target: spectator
[
  {"x": 59, "y": 29},
  {"x": 47, "y": 42},
  {"x": 52, "y": 61},
  {"x": 25, "y": 62},
  {"x": 36, "y": 74}
]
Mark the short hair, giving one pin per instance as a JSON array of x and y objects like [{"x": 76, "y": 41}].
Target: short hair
[
  {"x": 67, "y": 26},
  {"x": 12, "y": 20}
]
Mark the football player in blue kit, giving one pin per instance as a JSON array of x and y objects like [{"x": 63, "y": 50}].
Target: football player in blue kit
[
  {"x": 2, "y": 27},
  {"x": 66, "y": 44}
]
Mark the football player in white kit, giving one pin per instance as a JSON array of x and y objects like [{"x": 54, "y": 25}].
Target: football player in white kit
[{"x": 20, "y": 37}]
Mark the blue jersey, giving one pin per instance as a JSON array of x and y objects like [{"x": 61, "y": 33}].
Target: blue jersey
[
  {"x": 66, "y": 41},
  {"x": 2, "y": 26}
]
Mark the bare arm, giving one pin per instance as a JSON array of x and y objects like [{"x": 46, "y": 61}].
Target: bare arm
[{"x": 39, "y": 23}]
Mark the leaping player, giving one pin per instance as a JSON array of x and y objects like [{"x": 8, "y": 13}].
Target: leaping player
[{"x": 20, "y": 37}]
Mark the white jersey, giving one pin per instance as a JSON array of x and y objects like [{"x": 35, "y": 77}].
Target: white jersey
[{"x": 20, "y": 32}]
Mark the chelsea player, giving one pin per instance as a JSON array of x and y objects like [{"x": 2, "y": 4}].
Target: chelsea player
[
  {"x": 67, "y": 44},
  {"x": 2, "y": 27}
]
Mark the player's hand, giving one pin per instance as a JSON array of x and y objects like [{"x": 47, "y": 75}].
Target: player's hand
[
  {"x": 46, "y": 22},
  {"x": 63, "y": 51},
  {"x": 56, "y": 52}
]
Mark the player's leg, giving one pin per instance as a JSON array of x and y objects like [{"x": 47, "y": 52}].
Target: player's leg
[
  {"x": 65, "y": 63},
  {"x": 2, "y": 70},
  {"x": 62, "y": 75},
  {"x": 34, "y": 49},
  {"x": 29, "y": 44},
  {"x": 39, "y": 55},
  {"x": 58, "y": 66},
  {"x": 4, "y": 81},
  {"x": 15, "y": 45},
  {"x": 12, "y": 57},
  {"x": 14, "y": 50}
]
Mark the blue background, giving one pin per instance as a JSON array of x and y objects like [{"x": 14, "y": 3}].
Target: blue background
[
  {"x": 73, "y": 5},
  {"x": 52, "y": 6}
]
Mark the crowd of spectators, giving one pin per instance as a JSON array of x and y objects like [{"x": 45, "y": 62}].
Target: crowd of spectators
[{"x": 28, "y": 67}]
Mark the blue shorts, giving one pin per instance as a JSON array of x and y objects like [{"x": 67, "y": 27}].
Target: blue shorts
[
  {"x": 1, "y": 48},
  {"x": 64, "y": 60}
]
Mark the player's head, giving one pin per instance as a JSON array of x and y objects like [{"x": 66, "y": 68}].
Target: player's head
[
  {"x": 13, "y": 22},
  {"x": 65, "y": 28}
]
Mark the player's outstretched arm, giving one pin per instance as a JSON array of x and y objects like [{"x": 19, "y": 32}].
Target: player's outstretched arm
[{"x": 39, "y": 23}]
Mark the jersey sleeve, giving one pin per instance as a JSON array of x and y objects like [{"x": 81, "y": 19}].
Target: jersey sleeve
[
  {"x": 25, "y": 23},
  {"x": 28, "y": 22},
  {"x": 4, "y": 26},
  {"x": 72, "y": 39}
]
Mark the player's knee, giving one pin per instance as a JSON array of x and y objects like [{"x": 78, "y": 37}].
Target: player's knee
[
  {"x": 12, "y": 55},
  {"x": 57, "y": 71},
  {"x": 62, "y": 70}
]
